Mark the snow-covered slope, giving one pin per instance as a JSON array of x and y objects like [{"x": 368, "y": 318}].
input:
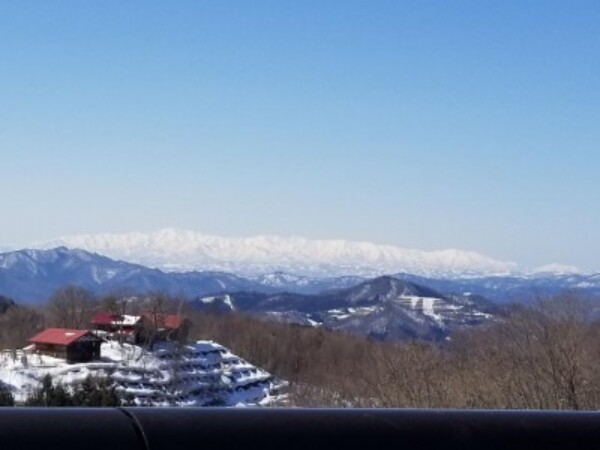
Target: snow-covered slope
[
  {"x": 201, "y": 374},
  {"x": 384, "y": 308},
  {"x": 187, "y": 250}
]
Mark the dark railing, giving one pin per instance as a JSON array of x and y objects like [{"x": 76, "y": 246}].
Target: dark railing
[{"x": 281, "y": 429}]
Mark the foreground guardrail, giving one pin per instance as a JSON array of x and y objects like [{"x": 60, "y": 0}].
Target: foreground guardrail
[{"x": 281, "y": 429}]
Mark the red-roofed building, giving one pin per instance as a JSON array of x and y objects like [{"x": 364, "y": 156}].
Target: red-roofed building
[
  {"x": 172, "y": 322},
  {"x": 104, "y": 318},
  {"x": 165, "y": 322},
  {"x": 165, "y": 326},
  {"x": 71, "y": 345},
  {"x": 115, "y": 326}
]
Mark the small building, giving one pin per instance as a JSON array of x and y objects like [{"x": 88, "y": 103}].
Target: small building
[
  {"x": 172, "y": 322},
  {"x": 115, "y": 326},
  {"x": 166, "y": 326},
  {"x": 72, "y": 345}
]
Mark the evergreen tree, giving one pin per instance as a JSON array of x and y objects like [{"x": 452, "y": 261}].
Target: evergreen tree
[
  {"x": 108, "y": 393},
  {"x": 96, "y": 392},
  {"x": 61, "y": 397},
  {"x": 40, "y": 395},
  {"x": 92, "y": 392},
  {"x": 129, "y": 400},
  {"x": 6, "y": 397},
  {"x": 84, "y": 393},
  {"x": 50, "y": 395}
]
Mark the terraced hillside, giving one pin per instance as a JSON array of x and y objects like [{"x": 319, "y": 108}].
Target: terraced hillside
[{"x": 201, "y": 374}]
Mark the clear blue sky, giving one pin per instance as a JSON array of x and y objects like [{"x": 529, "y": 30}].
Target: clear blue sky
[{"x": 426, "y": 124}]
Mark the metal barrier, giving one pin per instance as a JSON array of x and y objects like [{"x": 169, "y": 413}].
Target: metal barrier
[{"x": 281, "y": 429}]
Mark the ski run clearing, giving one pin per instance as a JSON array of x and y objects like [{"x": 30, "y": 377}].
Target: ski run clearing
[{"x": 200, "y": 374}]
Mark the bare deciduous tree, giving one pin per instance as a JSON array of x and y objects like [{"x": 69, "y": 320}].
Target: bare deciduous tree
[
  {"x": 18, "y": 324},
  {"x": 71, "y": 307}
]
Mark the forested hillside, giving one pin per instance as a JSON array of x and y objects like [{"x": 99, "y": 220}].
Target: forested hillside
[{"x": 541, "y": 357}]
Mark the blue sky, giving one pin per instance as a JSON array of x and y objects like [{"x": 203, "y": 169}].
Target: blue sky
[{"x": 426, "y": 124}]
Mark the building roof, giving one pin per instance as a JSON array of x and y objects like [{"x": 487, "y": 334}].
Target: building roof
[
  {"x": 168, "y": 321},
  {"x": 59, "y": 336},
  {"x": 127, "y": 320},
  {"x": 173, "y": 321},
  {"x": 104, "y": 318}
]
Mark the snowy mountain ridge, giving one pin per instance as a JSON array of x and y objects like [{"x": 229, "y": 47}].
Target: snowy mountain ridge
[
  {"x": 177, "y": 250},
  {"x": 32, "y": 275}
]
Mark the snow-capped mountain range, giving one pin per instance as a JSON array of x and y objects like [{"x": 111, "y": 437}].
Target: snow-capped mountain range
[
  {"x": 33, "y": 275},
  {"x": 176, "y": 250}
]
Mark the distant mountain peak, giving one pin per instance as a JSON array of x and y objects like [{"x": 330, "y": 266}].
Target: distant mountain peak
[
  {"x": 172, "y": 249},
  {"x": 389, "y": 286},
  {"x": 32, "y": 275}
]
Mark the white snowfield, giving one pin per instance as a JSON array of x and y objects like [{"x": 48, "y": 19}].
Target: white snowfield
[
  {"x": 126, "y": 320},
  {"x": 225, "y": 299},
  {"x": 418, "y": 308},
  {"x": 172, "y": 249},
  {"x": 200, "y": 374}
]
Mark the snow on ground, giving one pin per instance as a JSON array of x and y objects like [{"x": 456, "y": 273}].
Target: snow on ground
[
  {"x": 428, "y": 310},
  {"x": 225, "y": 299},
  {"x": 201, "y": 374},
  {"x": 426, "y": 305}
]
